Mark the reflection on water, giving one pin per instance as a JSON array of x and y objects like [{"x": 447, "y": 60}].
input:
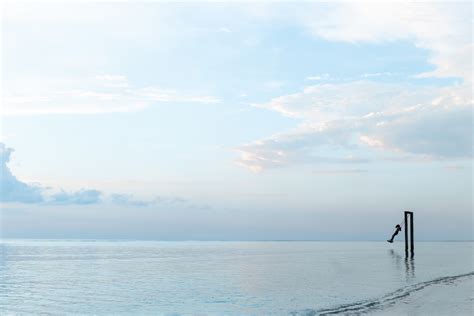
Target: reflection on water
[
  {"x": 396, "y": 257},
  {"x": 410, "y": 268},
  {"x": 409, "y": 264}
]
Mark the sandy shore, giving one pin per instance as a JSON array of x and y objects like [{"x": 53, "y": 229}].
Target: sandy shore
[{"x": 453, "y": 298}]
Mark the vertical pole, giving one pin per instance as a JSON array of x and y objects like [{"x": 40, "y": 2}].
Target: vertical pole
[
  {"x": 412, "y": 240},
  {"x": 406, "y": 233}
]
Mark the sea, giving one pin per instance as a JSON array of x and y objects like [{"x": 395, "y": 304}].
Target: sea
[{"x": 124, "y": 277}]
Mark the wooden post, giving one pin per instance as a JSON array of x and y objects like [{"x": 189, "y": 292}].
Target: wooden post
[
  {"x": 412, "y": 240},
  {"x": 409, "y": 226},
  {"x": 406, "y": 234}
]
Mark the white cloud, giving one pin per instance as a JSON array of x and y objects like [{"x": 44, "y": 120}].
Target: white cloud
[
  {"x": 443, "y": 28},
  {"x": 101, "y": 94},
  {"x": 372, "y": 142},
  {"x": 318, "y": 77},
  {"x": 331, "y": 101},
  {"x": 362, "y": 120}
]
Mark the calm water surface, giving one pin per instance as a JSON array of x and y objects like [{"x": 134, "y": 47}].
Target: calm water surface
[{"x": 235, "y": 278}]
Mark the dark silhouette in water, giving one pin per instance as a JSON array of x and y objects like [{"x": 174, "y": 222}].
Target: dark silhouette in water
[
  {"x": 398, "y": 229},
  {"x": 409, "y": 228}
]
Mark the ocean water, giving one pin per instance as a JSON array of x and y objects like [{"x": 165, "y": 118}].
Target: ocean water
[{"x": 218, "y": 278}]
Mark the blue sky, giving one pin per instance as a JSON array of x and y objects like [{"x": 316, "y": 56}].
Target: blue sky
[{"x": 205, "y": 120}]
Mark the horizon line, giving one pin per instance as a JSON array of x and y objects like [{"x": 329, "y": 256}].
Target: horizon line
[{"x": 232, "y": 240}]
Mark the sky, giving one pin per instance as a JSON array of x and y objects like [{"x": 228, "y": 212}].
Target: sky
[{"x": 236, "y": 121}]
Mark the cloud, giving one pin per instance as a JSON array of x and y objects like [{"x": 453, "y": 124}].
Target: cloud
[
  {"x": 15, "y": 190},
  {"x": 365, "y": 121},
  {"x": 433, "y": 131},
  {"x": 442, "y": 28},
  {"x": 12, "y": 189},
  {"x": 129, "y": 200},
  {"x": 362, "y": 120},
  {"x": 326, "y": 143},
  {"x": 324, "y": 102},
  {"x": 340, "y": 171},
  {"x": 158, "y": 201},
  {"x": 81, "y": 197},
  {"x": 101, "y": 94},
  {"x": 377, "y": 74},
  {"x": 318, "y": 77}
]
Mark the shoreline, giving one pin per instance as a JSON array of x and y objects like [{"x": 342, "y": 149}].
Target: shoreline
[
  {"x": 425, "y": 298},
  {"x": 448, "y": 298}
]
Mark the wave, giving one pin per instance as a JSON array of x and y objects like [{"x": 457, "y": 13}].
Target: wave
[{"x": 383, "y": 302}]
